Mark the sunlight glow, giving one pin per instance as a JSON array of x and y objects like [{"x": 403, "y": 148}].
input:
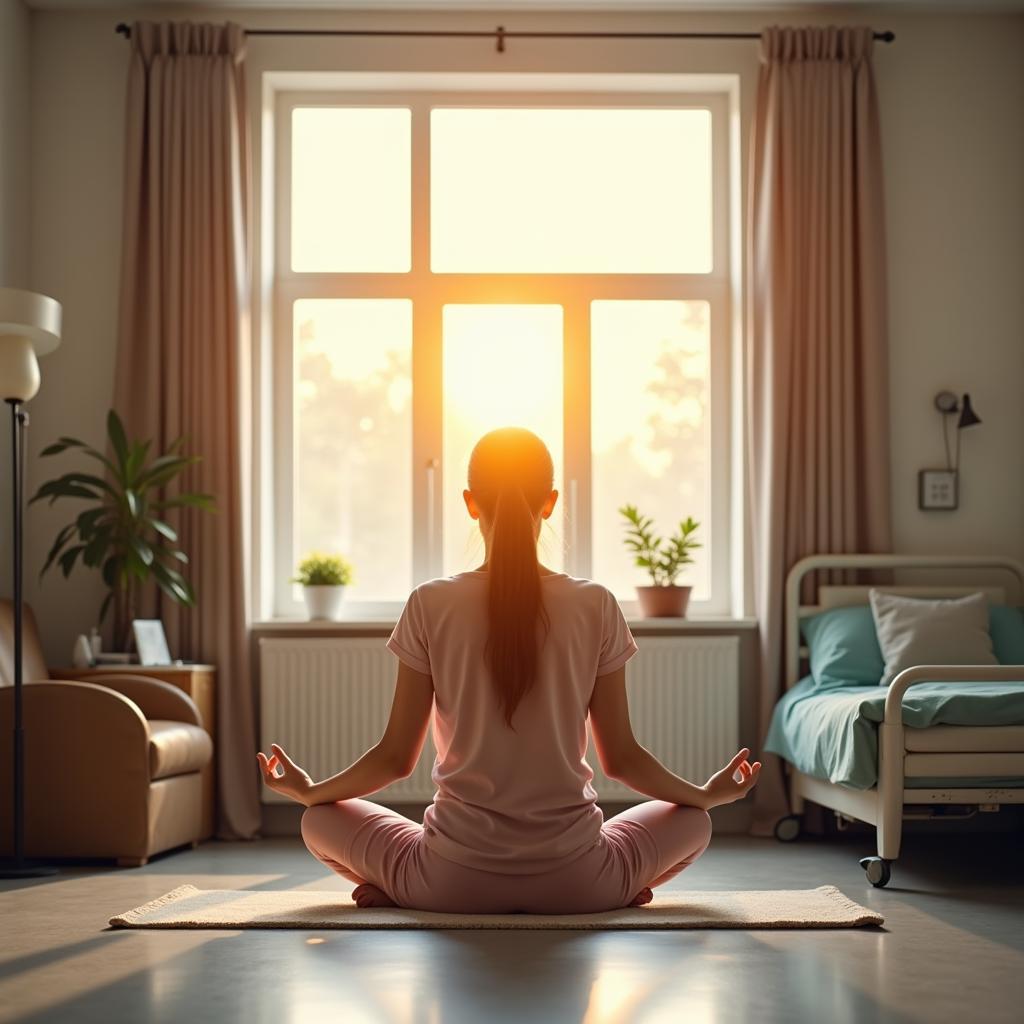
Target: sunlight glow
[
  {"x": 353, "y": 438},
  {"x": 502, "y": 367},
  {"x": 351, "y": 189},
  {"x": 513, "y": 190},
  {"x": 584, "y": 190},
  {"x": 650, "y": 431}
]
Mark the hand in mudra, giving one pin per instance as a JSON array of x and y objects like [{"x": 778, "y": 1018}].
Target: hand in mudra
[
  {"x": 293, "y": 782},
  {"x": 734, "y": 781}
]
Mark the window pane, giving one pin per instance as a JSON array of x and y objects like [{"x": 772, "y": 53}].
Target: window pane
[
  {"x": 351, "y": 189},
  {"x": 502, "y": 368},
  {"x": 570, "y": 191},
  {"x": 650, "y": 431},
  {"x": 353, "y": 439}
]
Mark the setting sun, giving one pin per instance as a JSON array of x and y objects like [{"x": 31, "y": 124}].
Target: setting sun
[{"x": 502, "y": 367}]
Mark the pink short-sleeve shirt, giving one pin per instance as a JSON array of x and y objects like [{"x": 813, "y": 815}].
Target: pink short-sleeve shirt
[{"x": 513, "y": 802}]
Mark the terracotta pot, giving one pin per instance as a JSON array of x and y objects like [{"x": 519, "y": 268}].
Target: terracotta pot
[{"x": 663, "y": 602}]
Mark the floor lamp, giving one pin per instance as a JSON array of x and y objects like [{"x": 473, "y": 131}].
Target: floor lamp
[{"x": 29, "y": 327}]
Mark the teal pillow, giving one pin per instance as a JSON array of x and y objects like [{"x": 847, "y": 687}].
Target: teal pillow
[
  {"x": 1006, "y": 624},
  {"x": 843, "y": 647},
  {"x": 844, "y": 650}
]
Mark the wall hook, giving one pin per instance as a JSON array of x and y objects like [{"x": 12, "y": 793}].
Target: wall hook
[{"x": 500, "y": 36}]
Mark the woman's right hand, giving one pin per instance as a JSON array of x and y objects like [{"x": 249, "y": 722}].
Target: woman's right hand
[
  {"x": 293, "y": 782},
  {"x": 733, "y": 782}
]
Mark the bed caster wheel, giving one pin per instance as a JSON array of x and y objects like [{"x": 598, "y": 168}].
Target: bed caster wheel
[
  {"x": 877, "y": 871},
  {"x": 787, "y": 829}
]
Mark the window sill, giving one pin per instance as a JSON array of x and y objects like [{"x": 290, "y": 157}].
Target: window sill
[
  {"x": 342, "y": 627},
  {"x": 693, "y": 624},
  {"x": 321, "y": 627}
]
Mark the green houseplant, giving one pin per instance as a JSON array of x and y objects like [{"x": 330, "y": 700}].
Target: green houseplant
[
  {"x": 664, "y": 559},
  {"x": 122, "y": 531},
  {"x": 323, "y": 578}
]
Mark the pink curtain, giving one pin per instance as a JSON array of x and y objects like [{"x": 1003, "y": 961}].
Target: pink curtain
[
  {"x": 183, "y": 345},
  {"x": 817, "y": 359}
]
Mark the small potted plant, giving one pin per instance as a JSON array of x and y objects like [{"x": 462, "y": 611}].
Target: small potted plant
[
  {"x": 664, "y": 560},
  {"x": 323, "y": 579}
]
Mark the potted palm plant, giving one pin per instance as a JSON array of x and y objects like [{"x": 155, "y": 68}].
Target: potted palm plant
[
  {"x": 664, "y": 559},
  {"x": 323, "y": 578},
  {"x": 122, "y": 531}
]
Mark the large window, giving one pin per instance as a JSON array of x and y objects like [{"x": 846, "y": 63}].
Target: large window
[{"x": 449, "y": 263}]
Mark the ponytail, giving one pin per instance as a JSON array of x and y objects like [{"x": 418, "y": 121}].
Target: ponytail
[
  {"x": 514, "y": 603},
  {"x": 511, "y": 475}
]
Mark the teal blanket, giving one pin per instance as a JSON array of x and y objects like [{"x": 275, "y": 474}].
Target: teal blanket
[{"x": 833, "y": 734}]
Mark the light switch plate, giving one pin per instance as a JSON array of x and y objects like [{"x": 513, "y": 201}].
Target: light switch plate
[{"x": 938, "y": 489}]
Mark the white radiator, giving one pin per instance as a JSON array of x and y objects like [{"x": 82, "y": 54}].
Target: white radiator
[
  {"x": 684, "y": 706},
  {"x": 327, "y": 700}
]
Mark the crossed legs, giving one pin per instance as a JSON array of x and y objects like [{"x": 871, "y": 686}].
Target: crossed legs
[{"x": 382, "y": 853}]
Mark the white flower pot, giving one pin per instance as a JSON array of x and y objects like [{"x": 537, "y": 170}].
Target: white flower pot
[{"x": 323, "y": 602}]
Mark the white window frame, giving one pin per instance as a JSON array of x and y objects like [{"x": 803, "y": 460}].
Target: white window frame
[{"x": 430, "y": 292}]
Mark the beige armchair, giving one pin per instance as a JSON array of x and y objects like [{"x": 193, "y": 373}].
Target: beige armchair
[{"x": 112, "y": 766}]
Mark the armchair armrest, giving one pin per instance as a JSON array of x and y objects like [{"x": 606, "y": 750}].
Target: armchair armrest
[
  {"x": 155, "y": 699},
  {"x": 79, "y": 730},
  {"x": 87, "y": 767}
]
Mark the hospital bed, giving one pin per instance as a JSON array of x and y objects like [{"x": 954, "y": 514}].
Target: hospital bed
[{"x": 885, "y": 755}]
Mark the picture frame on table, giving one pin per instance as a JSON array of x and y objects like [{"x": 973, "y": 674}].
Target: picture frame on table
[{"x": 151, "y": 642}]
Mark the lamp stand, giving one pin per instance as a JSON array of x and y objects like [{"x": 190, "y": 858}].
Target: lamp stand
[{"x": 18, "y": 867}]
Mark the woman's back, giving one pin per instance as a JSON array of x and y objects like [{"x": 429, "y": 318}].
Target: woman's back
[
  {"x": 508, "y": 660},
  {"x": 514, "y": 801}
]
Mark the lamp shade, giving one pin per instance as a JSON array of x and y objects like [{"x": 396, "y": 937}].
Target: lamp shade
[
  {"x": 968, "y": 417},
  {"x": 29, "y": 327},
  {"x": 30, "y": 315}
]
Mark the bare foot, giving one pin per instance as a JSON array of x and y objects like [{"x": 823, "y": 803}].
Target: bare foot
[
  {"x": 367, "y": 895},
  {"x": 643, "y": 896}
]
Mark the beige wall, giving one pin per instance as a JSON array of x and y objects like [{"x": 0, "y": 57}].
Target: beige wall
[
  {"x": 952, "y": 89},
  {"x": 14, "y": 134},
  {"x": 952, "y": 96},
  {"x": 77, "y": 97},
  {"x": 14, "y": 204}
]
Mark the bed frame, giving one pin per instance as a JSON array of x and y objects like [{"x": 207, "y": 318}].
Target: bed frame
[{"x": 954, "y": 752}]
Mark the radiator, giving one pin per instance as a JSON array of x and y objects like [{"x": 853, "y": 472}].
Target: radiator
[
  {"x": 684, "y": 706},
  {"x": 327, "y": 700}
]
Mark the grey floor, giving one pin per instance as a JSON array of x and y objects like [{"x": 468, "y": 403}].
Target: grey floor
[{"x": 952, "y": 949}]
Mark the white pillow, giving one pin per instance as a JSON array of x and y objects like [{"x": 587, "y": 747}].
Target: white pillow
[{"x": 915, "y": 631}]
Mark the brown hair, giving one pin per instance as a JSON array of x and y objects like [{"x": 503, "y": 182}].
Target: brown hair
[{"x": 510, "y": 477}]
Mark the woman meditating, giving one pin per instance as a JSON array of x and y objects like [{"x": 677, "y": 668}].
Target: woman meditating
[{"x": 512, "y": 657}]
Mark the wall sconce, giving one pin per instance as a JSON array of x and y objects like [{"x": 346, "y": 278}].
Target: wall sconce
[{"x": 939, "y": 488}]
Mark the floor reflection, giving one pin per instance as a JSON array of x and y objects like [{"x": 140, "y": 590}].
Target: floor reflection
[{"x": 945, "y": 954}]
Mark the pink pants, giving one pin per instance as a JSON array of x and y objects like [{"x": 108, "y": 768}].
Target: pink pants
[{"x": 644, "y": 846}]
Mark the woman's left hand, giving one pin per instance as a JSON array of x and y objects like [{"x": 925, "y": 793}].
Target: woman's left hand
[{"x": 293, "y": 782}]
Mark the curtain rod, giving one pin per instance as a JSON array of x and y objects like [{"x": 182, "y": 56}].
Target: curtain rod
[{"x": 499, "y": 34}]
